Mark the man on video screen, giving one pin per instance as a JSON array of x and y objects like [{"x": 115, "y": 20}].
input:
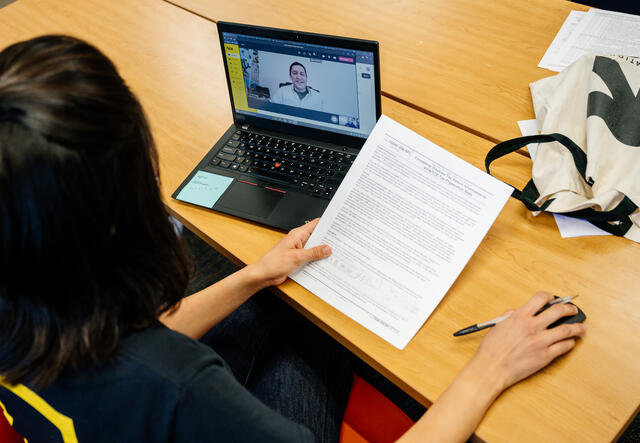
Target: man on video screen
[{"x": 297, "y": 92}]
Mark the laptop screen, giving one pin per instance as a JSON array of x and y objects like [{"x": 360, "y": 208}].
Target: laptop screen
[{"x": 321, "y": 87}]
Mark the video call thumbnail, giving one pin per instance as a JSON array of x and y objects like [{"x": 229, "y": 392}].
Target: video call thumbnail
[{"x": 315, "y": 88}]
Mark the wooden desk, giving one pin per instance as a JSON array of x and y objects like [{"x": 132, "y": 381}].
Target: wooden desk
[
  {"x": 171, "y": 60},
  {"x": 466, "y": 62}
]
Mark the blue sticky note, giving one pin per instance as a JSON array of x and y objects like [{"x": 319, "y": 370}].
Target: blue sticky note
[{"x": 204, "y": 189}]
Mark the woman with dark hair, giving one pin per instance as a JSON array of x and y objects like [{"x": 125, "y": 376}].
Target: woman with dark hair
[{"x": 96, "y": 340}]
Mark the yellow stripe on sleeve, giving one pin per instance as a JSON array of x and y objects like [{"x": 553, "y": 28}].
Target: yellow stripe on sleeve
[{"x": 60, "y": 421}]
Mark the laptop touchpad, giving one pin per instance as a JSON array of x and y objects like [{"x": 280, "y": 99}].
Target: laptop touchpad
[{"x": 254, "y": 200}]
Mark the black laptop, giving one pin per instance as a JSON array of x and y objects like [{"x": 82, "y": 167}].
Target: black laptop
[{"x": 303, "y": 105}]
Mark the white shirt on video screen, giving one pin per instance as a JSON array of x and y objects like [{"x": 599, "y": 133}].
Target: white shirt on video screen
[
  {"x": 298, "y": 93},
  {"x": 286, "y": 95}
]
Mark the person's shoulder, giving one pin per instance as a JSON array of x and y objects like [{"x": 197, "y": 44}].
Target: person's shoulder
[
  {"x": 168, "y": 354},
  {"x": 213, "y": 402},
  {"x": 279, "y": 92},
  {"x": 141, "y": 387},
  {"x": 315, "y": 98}
]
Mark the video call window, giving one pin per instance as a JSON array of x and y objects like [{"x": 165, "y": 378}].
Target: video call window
[{"x": 306, "y": 83}]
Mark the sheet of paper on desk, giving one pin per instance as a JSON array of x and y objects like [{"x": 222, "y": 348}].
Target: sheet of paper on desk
[
  {"x": 403, "y": 224},
  {"x": 598, "y": 32},
  {"x": 568, "y": 226},
  {"x": 551, "y": 59}
]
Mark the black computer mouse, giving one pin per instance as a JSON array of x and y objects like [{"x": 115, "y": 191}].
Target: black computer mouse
[{"x": 577, "y": 318}]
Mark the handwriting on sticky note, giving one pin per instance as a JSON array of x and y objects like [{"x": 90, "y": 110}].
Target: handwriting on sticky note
[{"x": 204, "y": 189}]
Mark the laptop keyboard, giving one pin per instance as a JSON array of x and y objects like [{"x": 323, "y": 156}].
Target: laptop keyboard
[{"x": 311, "y": 169}]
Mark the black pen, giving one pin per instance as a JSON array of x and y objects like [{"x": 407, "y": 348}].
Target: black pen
[{"x": 495, "y": 321}]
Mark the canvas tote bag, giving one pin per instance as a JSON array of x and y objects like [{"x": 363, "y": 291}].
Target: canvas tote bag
[{"x": 588, "y": 160}]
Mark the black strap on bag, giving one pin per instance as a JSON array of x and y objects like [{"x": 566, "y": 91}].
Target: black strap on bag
[{"x": 616, "y": 221}]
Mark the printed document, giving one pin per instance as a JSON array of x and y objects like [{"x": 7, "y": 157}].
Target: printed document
[
  {"x": 552, "y": 58},
  {"x": 403, "y": 224},
  {"x": 596, "y": 32}
]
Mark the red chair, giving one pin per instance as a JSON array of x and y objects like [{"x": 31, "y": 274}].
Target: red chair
[
  {"x": 7, "y": 433},
  {"x": 371, "y": 417}
]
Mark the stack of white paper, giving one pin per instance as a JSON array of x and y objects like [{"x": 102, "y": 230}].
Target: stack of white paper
[{"x": 593, "y": 32}]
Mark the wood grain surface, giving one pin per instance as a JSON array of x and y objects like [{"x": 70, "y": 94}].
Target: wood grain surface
[
  {"x": 466, "y": 62},
  {"x": 171, "y": 59}
]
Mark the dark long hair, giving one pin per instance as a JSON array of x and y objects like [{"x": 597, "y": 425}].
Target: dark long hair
[{"x": 87, "y": 253}]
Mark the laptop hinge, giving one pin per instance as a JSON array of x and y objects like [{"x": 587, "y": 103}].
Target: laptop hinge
[{"x": 244, "y": 127}]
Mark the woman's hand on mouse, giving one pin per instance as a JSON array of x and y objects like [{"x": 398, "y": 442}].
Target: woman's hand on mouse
[
  {"x": 521, "y": 345},
  {"x": 511, "y": 351}
]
